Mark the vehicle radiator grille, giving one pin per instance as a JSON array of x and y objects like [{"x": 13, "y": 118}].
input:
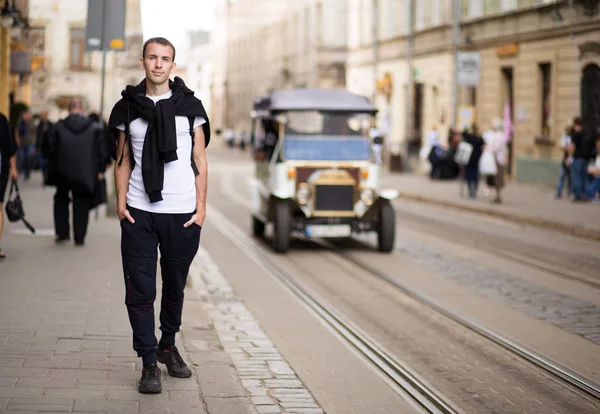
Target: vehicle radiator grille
[{"x": 334, "y": 198}]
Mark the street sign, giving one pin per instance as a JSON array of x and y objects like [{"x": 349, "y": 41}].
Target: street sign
[
  {"x": 105, "y": 28},
  {"x": 468, "y": 68}
]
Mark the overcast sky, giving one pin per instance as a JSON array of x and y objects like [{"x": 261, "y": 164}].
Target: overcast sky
[{"x": 174, "y": 18}]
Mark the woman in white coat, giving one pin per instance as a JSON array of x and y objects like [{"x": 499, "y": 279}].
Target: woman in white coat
[{"x": 497, "y": 145}]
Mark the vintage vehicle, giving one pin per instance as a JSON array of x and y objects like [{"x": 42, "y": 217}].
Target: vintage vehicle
[{"x": 315, "y": 172}]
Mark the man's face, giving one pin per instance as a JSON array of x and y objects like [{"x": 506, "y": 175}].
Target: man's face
[{"x": 158, "y": 63}]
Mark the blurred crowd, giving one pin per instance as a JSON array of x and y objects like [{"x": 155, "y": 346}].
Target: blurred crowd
[{"x": 472, "y": 157}]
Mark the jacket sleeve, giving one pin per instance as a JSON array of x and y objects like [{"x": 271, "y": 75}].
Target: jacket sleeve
[
  {"x": 7, "y": 142},
  {"x": 51, "y": 142},
  {"x": 100, "y": 137}
]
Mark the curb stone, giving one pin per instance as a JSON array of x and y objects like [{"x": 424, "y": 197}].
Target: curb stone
[{"x": 572, "y": 230}]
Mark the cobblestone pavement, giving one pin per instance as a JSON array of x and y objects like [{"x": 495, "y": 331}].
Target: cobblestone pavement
[
  {"x": 573, "y": 315},
  {"x": 65, "y": 339},
  {"x": 267, "y": 377}
]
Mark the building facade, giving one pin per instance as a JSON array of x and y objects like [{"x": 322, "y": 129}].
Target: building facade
[
  {"x": 413, "y": 58},
  {"x": 539, "y": 67},
  {"x": 65, "y": 70},
  {"x": 273, "y": 44},
  {"x": 15, "y": 62},
  {"x": 200, "y": 68}
]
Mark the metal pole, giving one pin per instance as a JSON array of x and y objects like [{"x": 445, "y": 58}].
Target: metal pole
[
  {"x": 104, "y": 51},
  {"x": 411, "y": 82},
  {"x": 103, "y": 61},
  {"x": 455, "y": 48},
  {"x": 375, "y": 47}
]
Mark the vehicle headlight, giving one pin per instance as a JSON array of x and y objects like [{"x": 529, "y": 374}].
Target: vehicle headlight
[
  {"x": 303, "y": 193},
  {"x": 367, "y": 196}
]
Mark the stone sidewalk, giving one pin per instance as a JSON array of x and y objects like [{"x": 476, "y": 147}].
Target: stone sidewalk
[
  {"x": 65, "y": 340},
  {"x": 524, "y": 204}
]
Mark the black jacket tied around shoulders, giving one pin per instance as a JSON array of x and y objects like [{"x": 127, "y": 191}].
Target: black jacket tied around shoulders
[{"x": 160, "y": 142}]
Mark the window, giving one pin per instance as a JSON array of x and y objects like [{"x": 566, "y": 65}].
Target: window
[
  {"x": 545, "y": 70},
  {"x": 36, "y": 40},
  {"x": 509, "y": 5},
  {"x": 474, "y": 8},
  {"x": 79, "y": 60},
  {"x": 420, "y": 15},
  {"x": 405, "y": 10},
  {"x": 367, "y": 23},
  {"x": 491, "y": 6},
  {"x": 391, "y": 13},
  {"x": 436, "y": 12}
]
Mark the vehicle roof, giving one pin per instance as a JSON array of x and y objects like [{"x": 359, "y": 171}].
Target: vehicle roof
[{"x": 305, "y": 99}]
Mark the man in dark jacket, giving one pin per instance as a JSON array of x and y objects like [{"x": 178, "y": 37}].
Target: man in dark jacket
[
  {"x": 76, "y": 164},
  {"x": 582, "y": 151},
  {"x": 43, "y": 130},
  {"x": 8, "y": 166},
  {"x": 472, "y": 167}
]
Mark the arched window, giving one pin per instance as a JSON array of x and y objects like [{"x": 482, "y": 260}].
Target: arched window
[{"x": 590, "y": 98}]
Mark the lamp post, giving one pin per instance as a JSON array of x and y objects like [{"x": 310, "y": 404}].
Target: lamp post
[
  {"x": 7, "y": 15},
  {"x": 15, "y": 28}
]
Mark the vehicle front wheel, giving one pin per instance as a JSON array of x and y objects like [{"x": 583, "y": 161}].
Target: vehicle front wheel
[
  {"x": 386, "y": 228},
  {"x": 258, "y": 227},
  {"x": 282, "y": 228}
]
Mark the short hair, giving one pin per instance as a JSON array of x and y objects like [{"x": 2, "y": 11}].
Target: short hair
[
  {"x": 577, "y": 121},
  {"x": 159, "y": 41},
  {"x": 75, "y": 103}
]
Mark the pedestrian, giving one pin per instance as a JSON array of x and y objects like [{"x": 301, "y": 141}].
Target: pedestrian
[
  {"x": 435, "y": 151},
  {"x": 25, "y": 137},
  {"x": 565, "y": 171},
  {"x": 8, "y": 168},
  {"x": 100, "y": 123},
  {"x": 594, "y": 170},
  {"x": 42, "y": 133},
  {"x": 161, "y": 132},
  {"x": 75, "y": 165},
  {"x": 376, "y": 137},
  {"x": 472, "y": 168},
  {"x": 499, "y": 148},
  {"x": 582, "y": 152}
]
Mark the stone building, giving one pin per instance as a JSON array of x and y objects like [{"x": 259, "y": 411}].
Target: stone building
[
  {"x": 541, "y": 60},
  {"x": 540, "y": 64},
  {"x": 263, "y": 45},
  {"x": 381, "y": 53},
  {"x": 200, "y": 67},
  {"x": 65, "y": 70}
]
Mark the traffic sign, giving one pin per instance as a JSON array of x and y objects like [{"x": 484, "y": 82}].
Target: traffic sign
[
  {"x": 105, "y": 28},
  {"x": 468, "y": 67}
]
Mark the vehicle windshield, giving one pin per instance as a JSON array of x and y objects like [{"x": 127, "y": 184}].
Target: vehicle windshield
[{"x": 318, "y": 136}]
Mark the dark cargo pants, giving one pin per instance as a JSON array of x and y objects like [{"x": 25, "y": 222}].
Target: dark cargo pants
[{"x": 178, "y": 246}]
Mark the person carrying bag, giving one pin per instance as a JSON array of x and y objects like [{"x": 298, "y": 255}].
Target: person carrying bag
[{"x": 14, "y": 207}]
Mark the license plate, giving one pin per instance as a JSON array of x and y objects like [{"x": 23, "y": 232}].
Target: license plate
[{"x": 328, "y": 230}]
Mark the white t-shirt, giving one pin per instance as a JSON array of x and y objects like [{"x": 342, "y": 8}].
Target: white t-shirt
[{"x": 179, "y": 185}]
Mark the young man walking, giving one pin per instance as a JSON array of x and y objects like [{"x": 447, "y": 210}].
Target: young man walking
[{"x": 161, "y": 133}]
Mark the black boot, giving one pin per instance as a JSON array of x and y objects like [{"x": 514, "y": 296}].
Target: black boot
[
  {"x": 150, "y": 381},
  {"x": 175, "y": 364}
]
